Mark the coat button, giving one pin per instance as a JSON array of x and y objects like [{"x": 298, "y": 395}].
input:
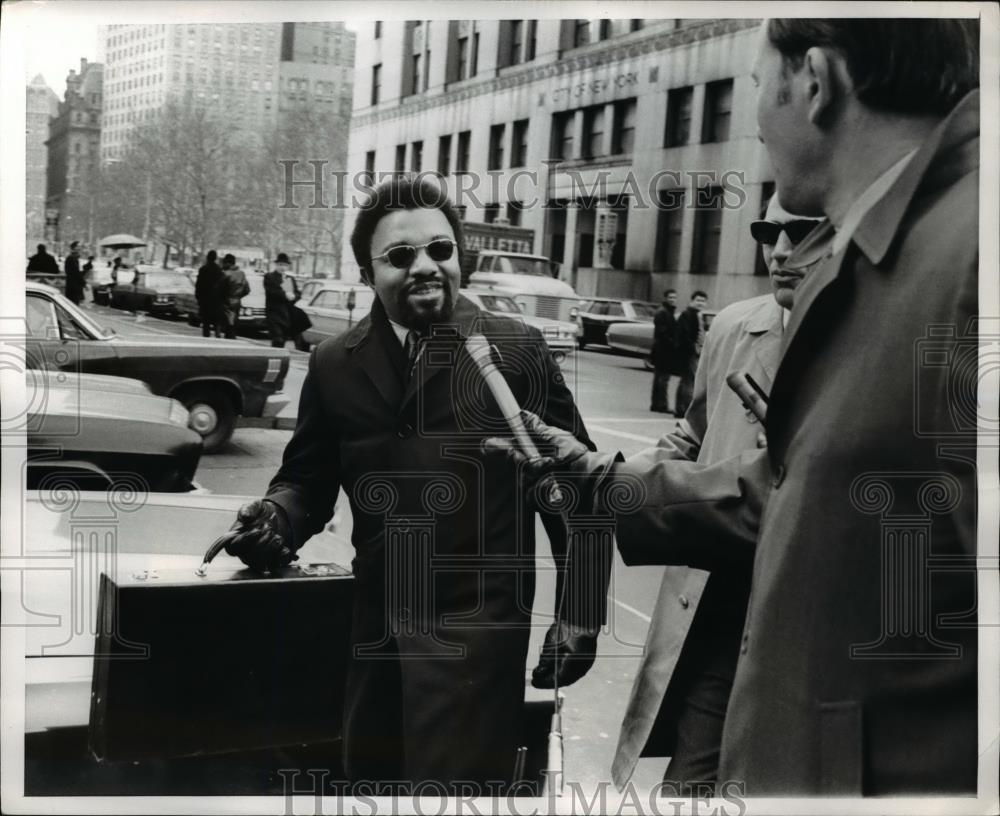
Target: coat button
[
  {"x": 404, "y": 431},
  {"x": 683, "y": 601},
  {"x": 778, "y": 477}
]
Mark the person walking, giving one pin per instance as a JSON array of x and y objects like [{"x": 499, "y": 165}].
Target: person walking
[
  {"x": 208, "y": 292},
  {"x": 74, "y": 276},
  {"x": 235, "y": 287},
  {"x": 664, "y": 353},
  {"x": 88, "y": 275},
  {"x": 41, "y": 261},
  {"x": 690, "y": 337},
  {"x": 277, "y": 303}
]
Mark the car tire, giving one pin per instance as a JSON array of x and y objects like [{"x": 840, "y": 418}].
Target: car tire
[
  {"x": 212, "y": 415},
  {"x": 194, "y": 320},
  {"x": 581, "y": 343}
]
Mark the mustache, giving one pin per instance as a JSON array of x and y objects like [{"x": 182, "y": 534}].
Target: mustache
[{"x": 423, "y": 281}]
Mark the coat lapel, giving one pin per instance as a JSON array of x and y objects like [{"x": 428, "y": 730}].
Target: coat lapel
[{"x": 376, "y": 350}]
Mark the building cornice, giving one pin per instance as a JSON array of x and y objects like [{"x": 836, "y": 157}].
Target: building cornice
[{"x": 611, "y": 52}]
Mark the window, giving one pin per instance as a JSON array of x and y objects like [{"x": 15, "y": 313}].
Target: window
[
  {"x": 531, "y": 41},
  {"x": 718, "y": 111},
  {"x": 669, "y": 229},
  {"x": 519, "y": 144},
  {"x": 376, "y": 82},
  {"x": 604, "y": 30},
  {"x": 707, "y": 230},
  {"x": 415, "y": 84},
  {"x": 41, "y": 318},
  {"x": 462, "y": 159},
  {"x": 679, "y": 116},
  {"x": 623, "y": 131},
  {"x": 581, "y": 32},
  {"x": 474, "y": 61},
  {"x": 463, "y": 57},
  {"x": 400, "y": 164},
  {"x": 416, "y": 156},
  {"x": 490, "y": 213},
  {"x": 635, "y": 25},
  {"x": 562, "y": 135},
  {"x": 444, "y": 154},
  {"x": 495, "y": 161},
  {"x": 516, "y": 44},
  {"x": 593, "y": 132},
  {"x": 378, "y": 29}
]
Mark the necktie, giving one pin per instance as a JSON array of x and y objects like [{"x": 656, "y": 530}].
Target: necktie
[{"x": 414, "y": 341}]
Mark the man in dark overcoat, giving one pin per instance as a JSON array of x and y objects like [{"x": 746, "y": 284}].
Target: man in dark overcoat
[{"x": 394, "y": 411}]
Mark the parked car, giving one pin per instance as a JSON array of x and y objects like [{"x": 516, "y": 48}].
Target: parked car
[
  {"x": 150, "y": 289},
  {"x": 216, "y": 380},
  {"x": 560, "y": 335},
  {"x": 328, "y": 310},
  {"x": 87, "y": 430},
  {"x": 636, "y": 339},
  {"x": 597, "y": 314}
]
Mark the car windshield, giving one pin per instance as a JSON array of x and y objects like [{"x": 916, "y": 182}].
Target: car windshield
[
  {"x": 499, "y": 303},
  {"x": 82, "y": 319},
  {"x": 529, "y": 266},
  {"x": 155, "y": 280},
  {"x": 645, "y": 311}
]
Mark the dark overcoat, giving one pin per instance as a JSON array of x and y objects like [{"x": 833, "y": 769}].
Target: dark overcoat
[
  {"x": 444, "y": 543},
  {"x": 858, "y": 665}
]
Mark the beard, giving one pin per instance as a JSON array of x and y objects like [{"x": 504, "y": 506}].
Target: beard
[{"x": 421, "y": 318}]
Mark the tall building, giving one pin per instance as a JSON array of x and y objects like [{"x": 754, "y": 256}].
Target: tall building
[
  {"x": 284, "y": 90},
  {"x": 249, "y": 70},
  {"x": 74, "y": 158},
  {"x": 42, "y": 105},
  {"x": 628, "y": 146}
]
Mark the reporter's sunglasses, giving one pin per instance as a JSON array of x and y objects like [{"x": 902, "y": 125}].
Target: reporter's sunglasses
[
  {"x": 768, "y": 232},
  {"x": 403, "y": 256}
]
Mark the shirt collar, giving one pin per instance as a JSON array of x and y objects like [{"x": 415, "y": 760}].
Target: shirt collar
[
  {"x": 400, "y": 331},
  {"x": 868, "y": 199}
]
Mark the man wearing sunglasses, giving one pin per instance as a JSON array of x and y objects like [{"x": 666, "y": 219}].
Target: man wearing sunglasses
[
  {"x": 395, "y": 411},
  {"x": 678, "y": 703}
]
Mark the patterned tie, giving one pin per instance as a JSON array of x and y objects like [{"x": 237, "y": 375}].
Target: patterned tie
[{"x": 414, "y": 342}]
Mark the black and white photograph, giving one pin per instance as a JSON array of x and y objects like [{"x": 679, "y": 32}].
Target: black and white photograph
[{"x": 500, "y": 407}]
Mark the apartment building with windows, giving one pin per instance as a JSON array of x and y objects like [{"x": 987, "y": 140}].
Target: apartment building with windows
[
  {"x": 42, "y": 104},
  {"x": 251, "y": 71},
  {"x": 73, "y": 158},
  {"x": 628, "y": 146}
]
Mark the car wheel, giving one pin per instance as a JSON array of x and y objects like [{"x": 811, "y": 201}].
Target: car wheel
[
  {"x": 211, "y": 414},
  {"x": 581, "y": 343}
]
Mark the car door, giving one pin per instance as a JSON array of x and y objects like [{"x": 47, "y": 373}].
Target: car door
[{"x": 56, "y": 340}]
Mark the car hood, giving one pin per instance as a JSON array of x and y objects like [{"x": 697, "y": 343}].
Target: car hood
[
  {"x": 110, "y": 405},
  {"x": 190, "y": 346},
  {"x": 523, "y": 284}
]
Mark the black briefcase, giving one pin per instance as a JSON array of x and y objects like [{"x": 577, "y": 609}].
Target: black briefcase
[{"x": 229, "y": 662}]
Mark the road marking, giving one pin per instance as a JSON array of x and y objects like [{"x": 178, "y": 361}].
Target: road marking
[
  {"x": 633, "y": 610},
  {"x": 623, "y": 434}
]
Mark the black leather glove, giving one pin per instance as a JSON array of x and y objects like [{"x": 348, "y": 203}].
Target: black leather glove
[
  {"x": 261, "y": 537},
  {"x": 560, "y": 453},
  {"x": 574, "y": 648}
]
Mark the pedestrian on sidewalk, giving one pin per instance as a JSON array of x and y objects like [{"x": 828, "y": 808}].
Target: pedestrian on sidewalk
[
  {"x": 208, "y": 292},
  {"x": 664, "y": 355}
]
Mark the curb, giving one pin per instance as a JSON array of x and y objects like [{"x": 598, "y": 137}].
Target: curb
[{"x": 277, "y": 423}]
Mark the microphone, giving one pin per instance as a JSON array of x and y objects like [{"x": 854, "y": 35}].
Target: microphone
[{"x": 482, "y": 352}]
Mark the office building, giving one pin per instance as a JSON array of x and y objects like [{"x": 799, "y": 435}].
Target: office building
[
  {"x": 628, "y": 146},
  {"x": 42, "y": 105}
]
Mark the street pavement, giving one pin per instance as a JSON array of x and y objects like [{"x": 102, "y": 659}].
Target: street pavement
[{"x": 612, "y": 393}]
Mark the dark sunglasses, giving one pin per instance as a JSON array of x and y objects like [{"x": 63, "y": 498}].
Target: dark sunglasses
[
  {"x": 768, "y": 232},
  {"x": 403, "y": 256}
]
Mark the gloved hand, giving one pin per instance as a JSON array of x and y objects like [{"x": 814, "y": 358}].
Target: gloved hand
[
  {"x": 260, "y": 537},
  {"x": 574, "y": 648}
]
